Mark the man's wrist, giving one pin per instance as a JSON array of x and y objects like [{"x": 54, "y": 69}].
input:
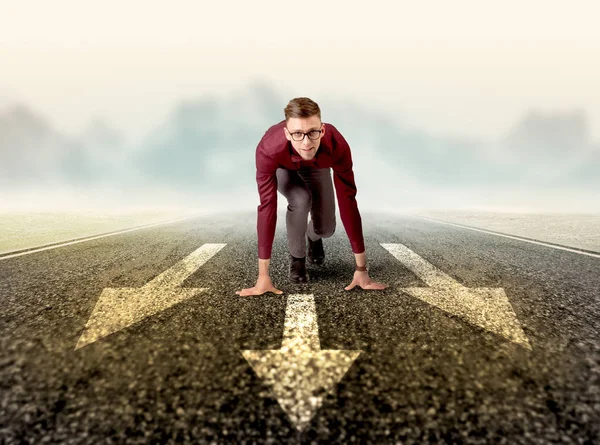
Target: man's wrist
[{"x": 361, "y": 261}]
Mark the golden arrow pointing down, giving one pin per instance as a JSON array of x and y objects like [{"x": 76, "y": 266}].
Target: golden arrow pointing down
[{"x": 300, "y": 374}]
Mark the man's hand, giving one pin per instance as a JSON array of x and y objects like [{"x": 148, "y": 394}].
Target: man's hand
[
  {"x": 362, "y": 279},
  {"x": 263, "y": 284}
]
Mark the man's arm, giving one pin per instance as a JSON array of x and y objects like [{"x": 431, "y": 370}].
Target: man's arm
[
  {"x": 266, "y": 181},
  {"x": 346, "y": 194},
  {"x": 345, "y": 188}
]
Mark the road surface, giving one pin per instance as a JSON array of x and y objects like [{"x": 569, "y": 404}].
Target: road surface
[{"x": 140, "y": 338}]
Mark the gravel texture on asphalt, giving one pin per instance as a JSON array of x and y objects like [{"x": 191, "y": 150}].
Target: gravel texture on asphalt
[{"x": 179, "y": 376}]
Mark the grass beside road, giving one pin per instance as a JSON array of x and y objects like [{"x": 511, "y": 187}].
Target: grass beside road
[
  {"x": 581, "y": 231},
  {"x": 23, "y": 230}
]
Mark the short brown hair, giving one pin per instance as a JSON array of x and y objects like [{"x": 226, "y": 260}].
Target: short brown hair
[{"x": 301, "y": 107}]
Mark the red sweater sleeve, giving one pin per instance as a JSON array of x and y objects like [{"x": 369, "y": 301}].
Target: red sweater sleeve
[
  {"x": 345, "y": 188},
  {"x": 266, "y": 180}
]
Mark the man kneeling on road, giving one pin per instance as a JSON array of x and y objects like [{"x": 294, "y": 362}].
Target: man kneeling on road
[{"x": 296, "y": 157}]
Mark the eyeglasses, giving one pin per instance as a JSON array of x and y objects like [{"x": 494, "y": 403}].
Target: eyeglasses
[{"x": 312, "y": 135}]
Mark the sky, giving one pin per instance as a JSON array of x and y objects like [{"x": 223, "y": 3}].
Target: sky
[{"x": 467, "y": 68}]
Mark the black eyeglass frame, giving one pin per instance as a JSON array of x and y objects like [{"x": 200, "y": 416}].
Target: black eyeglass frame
[{"x": 303, "y": 135}]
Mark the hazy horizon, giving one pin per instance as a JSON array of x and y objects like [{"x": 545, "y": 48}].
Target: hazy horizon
[
  {"x": 135, "y": 135},
  {"x": 202, "y": 156}
]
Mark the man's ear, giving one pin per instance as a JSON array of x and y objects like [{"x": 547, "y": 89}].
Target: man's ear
[
  {"x": 323, "y": 128},
  {"x": 287, "y": 135}
]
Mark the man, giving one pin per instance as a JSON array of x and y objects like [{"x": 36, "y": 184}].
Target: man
[{"x": 295, "y": 157}]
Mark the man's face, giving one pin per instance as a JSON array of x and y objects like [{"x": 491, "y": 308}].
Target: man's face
[{"x": 306, "y": 148}]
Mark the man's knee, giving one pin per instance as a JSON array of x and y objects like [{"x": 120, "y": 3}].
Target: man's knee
[
  {"x": 325, "y": 232},
  {"x": 300, "y": 200}
]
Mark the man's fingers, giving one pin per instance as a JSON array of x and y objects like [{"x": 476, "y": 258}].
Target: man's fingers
[
  {"x": 256, "y": 291},
  {"x": 377, "y": 286}
]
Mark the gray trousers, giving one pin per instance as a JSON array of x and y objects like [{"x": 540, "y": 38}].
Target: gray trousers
[{"x": 307, "y": 190}]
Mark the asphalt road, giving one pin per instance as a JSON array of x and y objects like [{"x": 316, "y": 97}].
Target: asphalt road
[{"x": 425, "y": 375}]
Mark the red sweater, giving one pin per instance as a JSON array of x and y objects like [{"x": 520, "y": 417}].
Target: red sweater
[{"x": 275, "y": 151}]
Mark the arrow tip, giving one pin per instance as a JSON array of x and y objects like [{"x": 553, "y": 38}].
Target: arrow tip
[
  {"x": 300, "y": 379},
  {"x": 118, "y": 308}
]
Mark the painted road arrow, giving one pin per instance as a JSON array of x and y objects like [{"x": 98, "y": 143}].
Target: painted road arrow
[
  {"x": 485, "y": 307},
  {"x": 118, "y": 308},
  {"x": 300, "y": 374}
]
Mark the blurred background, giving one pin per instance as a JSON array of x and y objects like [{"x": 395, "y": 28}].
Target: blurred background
[{"x": 445, "y": 105}]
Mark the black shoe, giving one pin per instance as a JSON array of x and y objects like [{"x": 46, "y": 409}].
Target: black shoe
[
  {"x": 298, "y": 270},
  {"x": 316, "y": 254}
]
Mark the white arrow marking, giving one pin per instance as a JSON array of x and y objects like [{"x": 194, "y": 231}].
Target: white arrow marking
[
  {"x": 121, "y": 307},
  {"x": 488, "y": 308},
  {"x": 300, "y": 374}
]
